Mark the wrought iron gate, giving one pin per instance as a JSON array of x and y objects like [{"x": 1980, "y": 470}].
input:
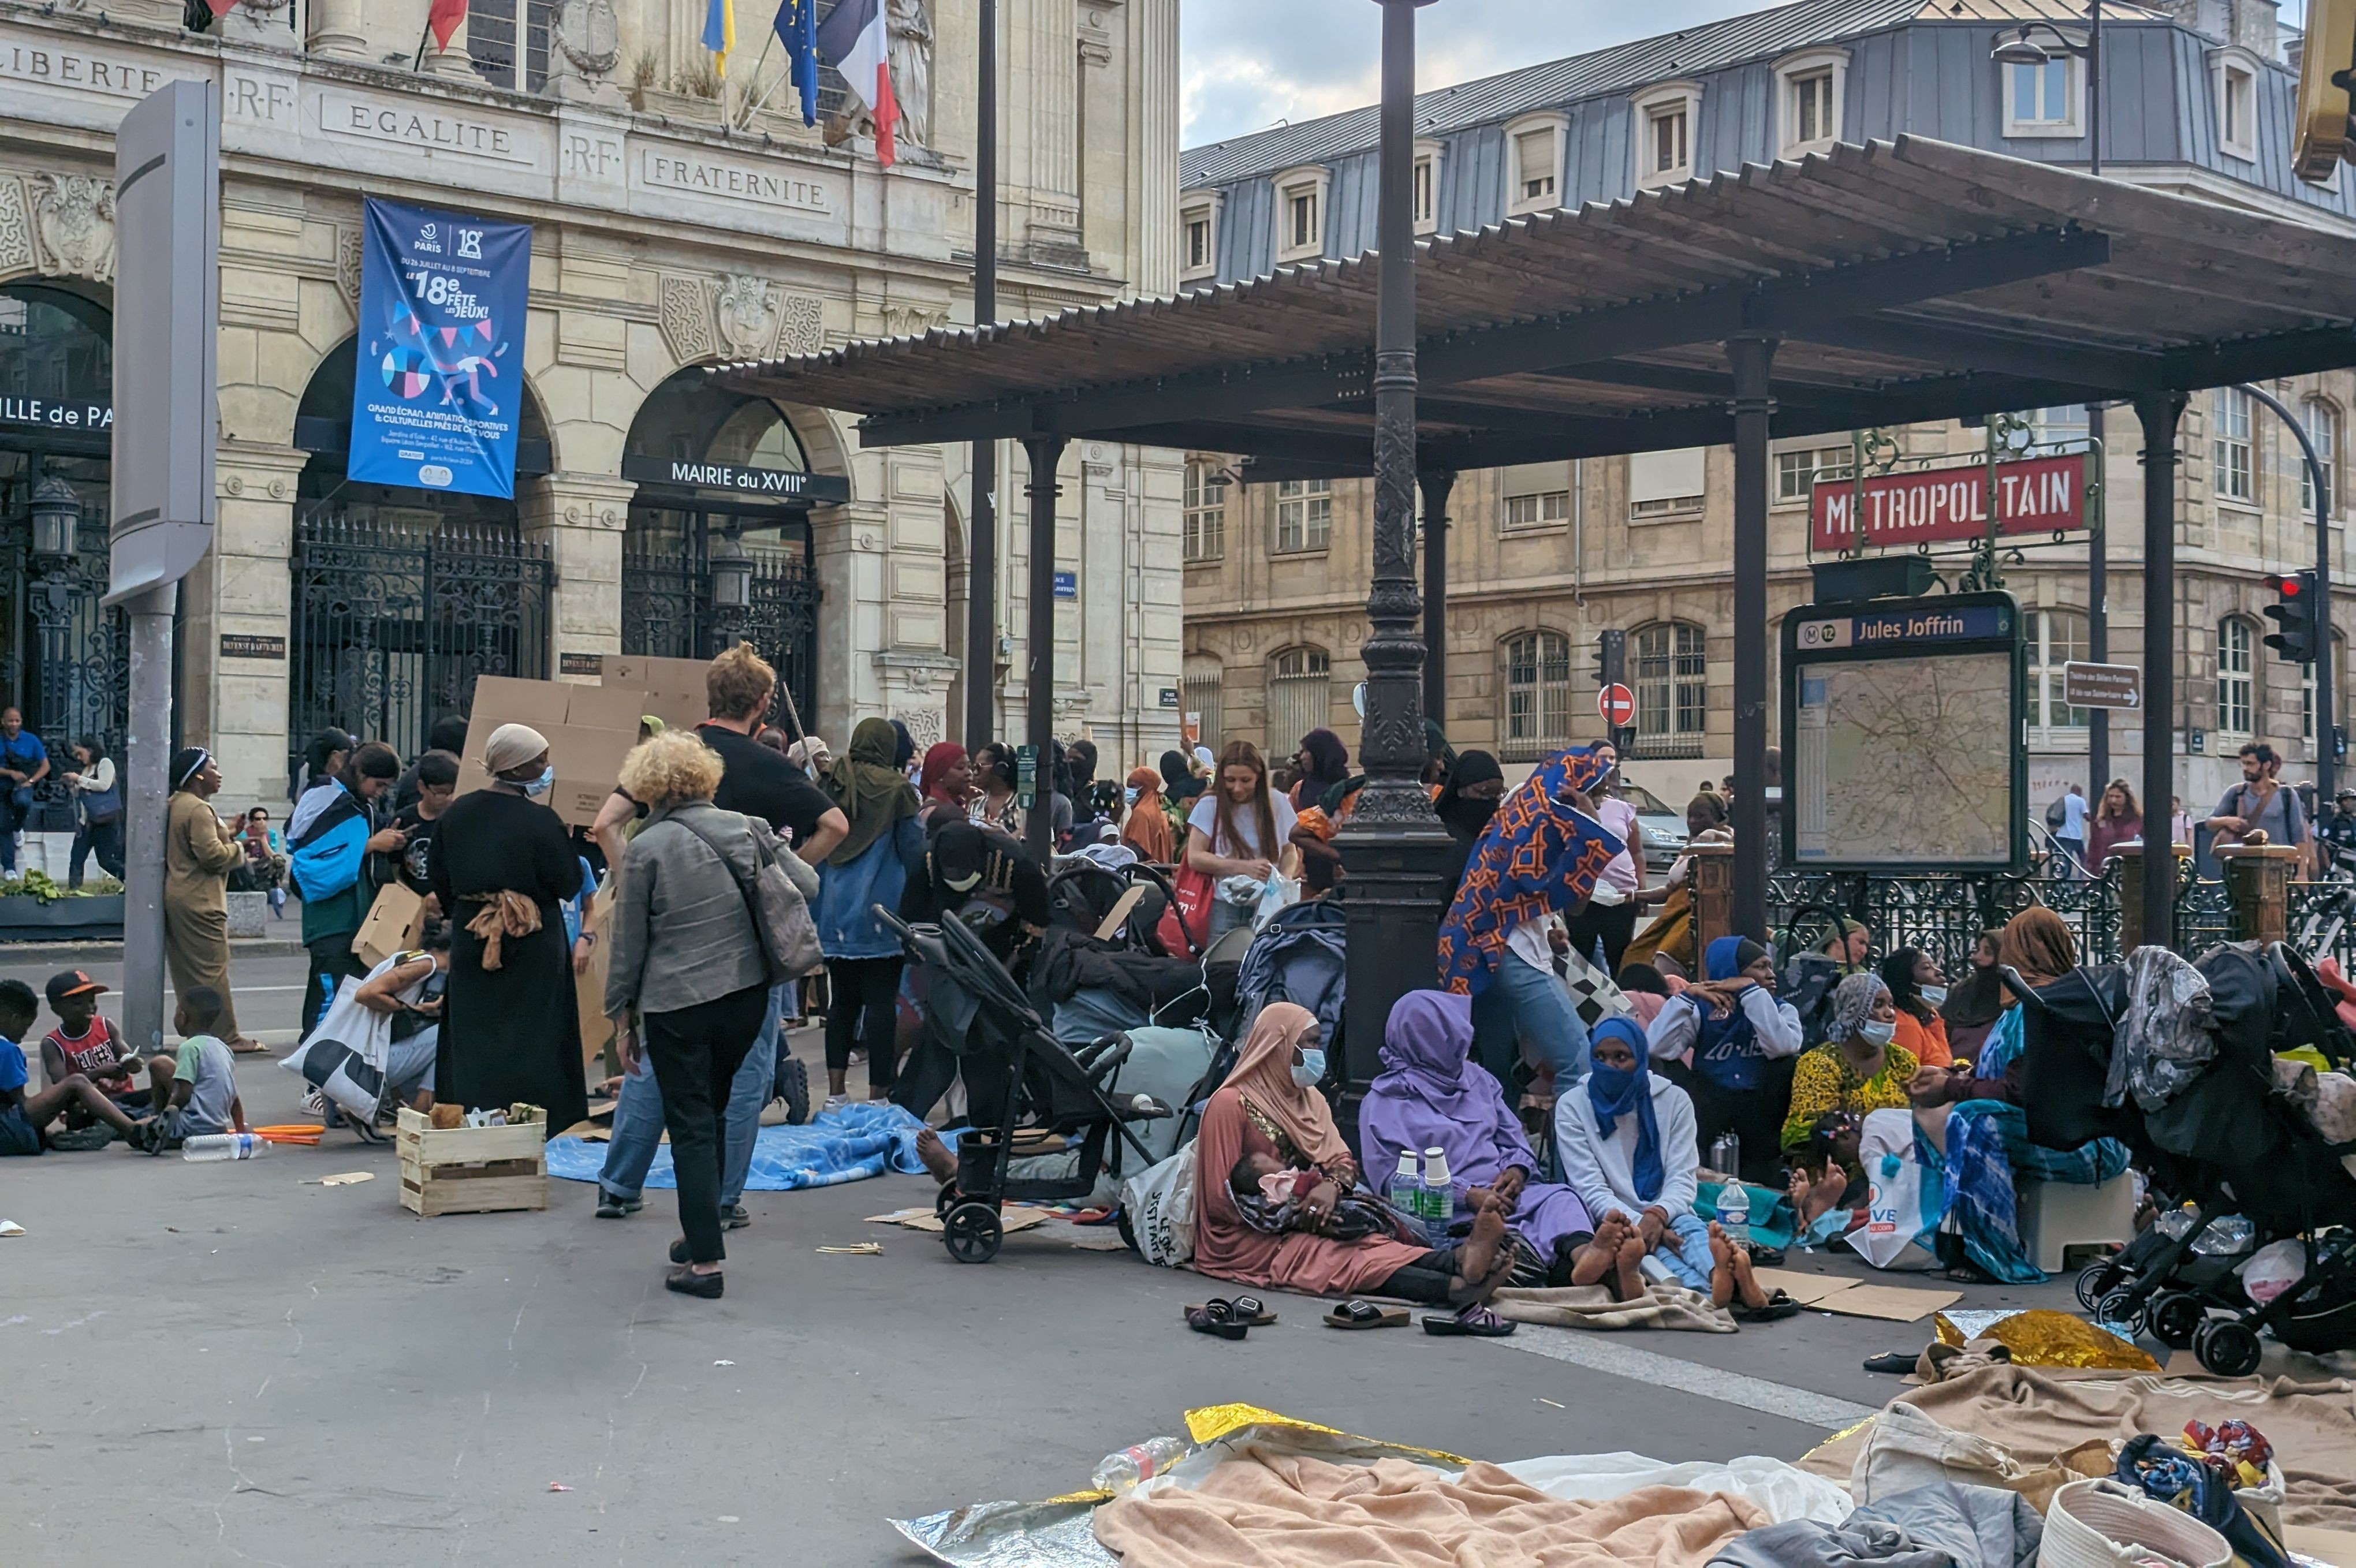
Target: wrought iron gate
[
  {"x": 64, "y": 654},
  {"x": 392, "y": 623},
  {"x": 669, "y": 610}
]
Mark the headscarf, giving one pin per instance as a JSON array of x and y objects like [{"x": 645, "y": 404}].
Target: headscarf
[
  {"x": 904, "y": 746},
  {"x": 1082, "y": 764},
  {"x": 1978, "y": 997},
  {"x": 1537, "y": 855},
  {"x": 866, "y": 784},
  {"x": 1722, "y": 963},
  {"x": 810, "y": 751},
  {"x": 1835, "y": 946},
  {"x": 1614, "y": 1092},
  {"x": 939, "y": 758},
  {"x": 2037, "y": 943},
  {"x": 1147, "y": 830},
  {"x": 1712, "y": 807},
  {"x": 1178, "y": 779},
  {"x": 186, "y": 763},
  {"x": 1898, "y": 973},
  {"x": 1425, "y": 1043},
  {"x": 1329, "y": 763},
  {"x": 1263, "y": 1073},
  {"x": 1853, "y": 1001},
  {"x": 511, "y": 746},
  {"x": 1463, "y": 815}
]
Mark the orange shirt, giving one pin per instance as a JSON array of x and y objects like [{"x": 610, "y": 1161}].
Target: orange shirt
[{"x": 1927, "y": 1042}]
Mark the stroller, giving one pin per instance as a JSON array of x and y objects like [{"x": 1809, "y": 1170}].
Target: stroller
[
  {"x": 1041, "y": 1088},
  {"x": 2244, "y": 1161}
]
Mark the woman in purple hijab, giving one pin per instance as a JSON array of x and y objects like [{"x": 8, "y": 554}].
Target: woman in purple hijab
[{"x": 1430, "y": 1095}]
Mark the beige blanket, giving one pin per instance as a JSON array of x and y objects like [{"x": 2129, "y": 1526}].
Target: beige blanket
[
  {"x": 1592, "y": 1307},
  {"x": 1287, "y": 1510}
]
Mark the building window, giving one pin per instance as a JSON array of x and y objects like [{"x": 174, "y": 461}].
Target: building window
[
  {"x": 1207, "y": 512},
  {"x": 1537, "y": 695},
  {"x": 1300, "y": 213},
  {"x": 1797, "y": 472},
  {"x": 2237, "y": 108},
  {"x": 1534, "y": 164},
  {"x": 2041, "y": 100},
  {"x": 1198, "y": 244},
  {"x": 1301, "y": 220},
  {"x": 1536, "y": 494},
  {"x": 1664, "y": 120},
  {"x": 1304, "y": 515},
  {"x": 1202, "y": 677},
  {"x": 499, "y": 57},
  {"x": 1298, "y": 696},
  {"x": 1198, "y": 237},
  {"x": 1811, "y": 91},
  {"x": 2055, "y": 637},
  {"x": 1666, "y": 140},
  {"x": 2062, "y": 422},
  {"x": 2236, "y": 677},
  {"x": 2323, "y": 421},
  {"x": 1672, "y": 690},
  {"x": 1424, "y": 189},
  {"x": 2229, "y": 445},
  {"x": 1664, "y": 484}
]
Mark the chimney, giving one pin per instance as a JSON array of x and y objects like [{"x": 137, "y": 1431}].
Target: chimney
[{"x": 2257, "y": 28}]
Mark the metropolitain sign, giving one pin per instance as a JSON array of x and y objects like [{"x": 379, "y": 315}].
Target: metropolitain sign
[{"x": 1932, "y": 505}]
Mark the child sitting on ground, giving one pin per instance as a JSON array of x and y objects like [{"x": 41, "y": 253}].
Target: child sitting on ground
[
  {"x": 23, "y": 1116},
  {"x": 203, "y": 1095},
  {"x": 91, "y": 1046}
]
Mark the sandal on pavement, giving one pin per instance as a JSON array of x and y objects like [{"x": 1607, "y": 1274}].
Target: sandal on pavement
[
  {"x": 1216, "y": 1318},
  {"x": 1366, "y": 1315},
  {"x": 1245, "y": 1309},
  {"x": 1898, "y": 1362},
  {"x": 1472, "y": 1322},
  {"x": 687, "y": 1282},
  {"x": 1779, "y": 1306}
]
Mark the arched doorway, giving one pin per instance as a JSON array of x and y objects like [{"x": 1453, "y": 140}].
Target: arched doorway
[
  {"x": 402, "y": 596},
  {"x": 64, "y": 655},
  {"x": 722, "y": 479}
]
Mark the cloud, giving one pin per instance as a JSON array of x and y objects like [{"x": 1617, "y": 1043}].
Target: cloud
[{"x": 1250, "y": 63}]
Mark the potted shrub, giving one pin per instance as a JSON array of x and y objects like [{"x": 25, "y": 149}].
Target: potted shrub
[{"x": 33, "y": 907}]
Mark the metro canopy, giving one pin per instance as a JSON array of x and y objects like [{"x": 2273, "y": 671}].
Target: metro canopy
[{"x": 2033, "y": 495}]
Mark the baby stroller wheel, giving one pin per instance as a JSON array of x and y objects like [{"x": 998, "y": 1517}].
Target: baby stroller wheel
[
  {"x": 971, "y": 1234},
  {"x": 2175, "y": 1317},
  {"x": 2228, "y": 1347},
  {"x": 2120, "y": 1306},
  {"x": 946, "y": 1199},
  {"x": 2094, "y": 1281}
]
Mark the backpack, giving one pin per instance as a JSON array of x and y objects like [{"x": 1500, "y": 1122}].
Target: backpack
[{"x": 325, "y": 859}]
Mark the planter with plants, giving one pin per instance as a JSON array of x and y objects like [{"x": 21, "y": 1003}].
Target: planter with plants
[{"x": 33, "y": 908}]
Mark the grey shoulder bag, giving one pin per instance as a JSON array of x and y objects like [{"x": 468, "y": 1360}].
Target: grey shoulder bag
[{"x": 780, "y": 915}]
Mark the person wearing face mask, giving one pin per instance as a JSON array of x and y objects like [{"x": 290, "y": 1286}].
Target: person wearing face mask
[
  {"x": 1919, "y": 987},
  {"x": 1859, "y": 1068},
  {"x": 1146, "y": 829},
  {"x": 502, "y": 864}
]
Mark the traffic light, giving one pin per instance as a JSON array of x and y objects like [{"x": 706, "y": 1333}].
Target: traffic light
[
  {"x": 1611, "y": 659},
  {"x": 2327, "y": 56},
  {"x": 2295, "y": 642}
]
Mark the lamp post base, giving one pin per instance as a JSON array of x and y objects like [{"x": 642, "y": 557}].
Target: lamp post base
[{"x": 1393, "y": 897}]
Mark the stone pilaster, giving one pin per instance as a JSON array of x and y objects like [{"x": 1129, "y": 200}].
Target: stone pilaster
[
  {"x": 339, "y": 29},
  {"x": 579, "y": 518},
  {"x": 237, "y": 625},
  {"x": 265, "y": 24},
  {"x": 452, "y": 60},
  {"x": 853, "y": 608}
]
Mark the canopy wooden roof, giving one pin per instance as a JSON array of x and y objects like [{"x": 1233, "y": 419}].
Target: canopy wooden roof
[{"x": 1907, "y": 280}]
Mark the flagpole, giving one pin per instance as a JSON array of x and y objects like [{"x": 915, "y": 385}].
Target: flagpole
[{"x": 755, "y": 104}]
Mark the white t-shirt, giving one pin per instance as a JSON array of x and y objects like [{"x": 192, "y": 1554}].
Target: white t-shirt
[
  {"x": 1244, "y": 845},
  {"x": 1619, "y": 879},
  {"x": 2073, "y": 815}
]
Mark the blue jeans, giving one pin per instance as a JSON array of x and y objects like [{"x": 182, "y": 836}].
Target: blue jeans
[
  {"x": 409, "y": 1064},
  {"x": 638, "y": 1118},
  {"x": 1527, "y": 1003},
  {"x": 1692, "y": 1266}
]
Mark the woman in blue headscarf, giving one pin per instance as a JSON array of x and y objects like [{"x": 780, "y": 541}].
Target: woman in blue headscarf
[{"x": 1743, "y": 1043}]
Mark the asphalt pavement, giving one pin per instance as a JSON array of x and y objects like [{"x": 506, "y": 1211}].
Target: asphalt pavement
[{"x": 231, "y": 1363}]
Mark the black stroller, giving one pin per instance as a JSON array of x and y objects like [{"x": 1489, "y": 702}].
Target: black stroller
[{"x": 1018, "y": 1079}]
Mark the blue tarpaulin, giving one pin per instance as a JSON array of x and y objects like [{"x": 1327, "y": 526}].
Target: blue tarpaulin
[{"x": 850, "y": 1143}]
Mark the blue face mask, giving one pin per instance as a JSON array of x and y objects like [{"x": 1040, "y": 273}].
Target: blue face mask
[
  {"x": 1312, "y": 1067},
  {"x": 540, "y": 787},
  {"x": 1129, "y": 795}
]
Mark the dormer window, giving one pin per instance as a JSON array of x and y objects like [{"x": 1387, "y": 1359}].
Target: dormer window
[
  {"x": 1666, "y": 119},
  {"x": 2042, "y": 100},
  {"x": 2235, "y": 73},
  {"x": 1198, "y": 236},
  {"x": 1423, "y": 191},
  {"x": 1534, "y": 164},
  {"x": 1811, "y": 87},
  {"x": 1300, "y": 213}
]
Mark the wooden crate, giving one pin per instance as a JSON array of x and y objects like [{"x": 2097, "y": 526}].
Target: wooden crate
[{"x": 473, "y": 1170}]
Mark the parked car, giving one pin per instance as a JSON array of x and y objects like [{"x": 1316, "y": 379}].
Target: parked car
[{"x": 1662, "y": 827}]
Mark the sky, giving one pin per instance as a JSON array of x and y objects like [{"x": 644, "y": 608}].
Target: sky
[{"x": 1249, "y": 64}]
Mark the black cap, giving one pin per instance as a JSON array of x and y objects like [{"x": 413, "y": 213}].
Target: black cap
[
  {"x": 960, "y": 853},
  {"x": 72, "y": 982}
]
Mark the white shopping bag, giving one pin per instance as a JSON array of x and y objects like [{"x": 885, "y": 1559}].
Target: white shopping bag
[
  {"x": 1275, "y": 894},
  {"x": 344, "y": 1057},
  {"x": 1161, "y": 1205},
  {"x": 1886, "y": 1150}
]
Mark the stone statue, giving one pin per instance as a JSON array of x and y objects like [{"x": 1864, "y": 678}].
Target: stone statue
[{"x": 911, "y": 34}]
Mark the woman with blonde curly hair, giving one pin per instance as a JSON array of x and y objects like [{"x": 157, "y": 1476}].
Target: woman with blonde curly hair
[{"x": 690, "y": 980}]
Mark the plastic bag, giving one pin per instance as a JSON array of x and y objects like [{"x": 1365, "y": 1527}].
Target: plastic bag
[
  {"x": 2273, "y": 1269},
  {"x": 1161, "y": 1205},
  {"x": 344, "y": 1057},
  {"x": 1275, "y": 894}
]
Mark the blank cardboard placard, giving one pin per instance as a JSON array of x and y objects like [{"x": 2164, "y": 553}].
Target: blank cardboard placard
[
  {"x": 1807, "y": 1290},
  {"x": 1890, "y": 1303}
]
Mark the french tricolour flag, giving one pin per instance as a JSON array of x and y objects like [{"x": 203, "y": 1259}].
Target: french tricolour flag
[{"x": 852, "y": 37}]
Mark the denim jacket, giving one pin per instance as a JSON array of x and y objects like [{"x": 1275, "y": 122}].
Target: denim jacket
[{"x": 847, "y": 926}]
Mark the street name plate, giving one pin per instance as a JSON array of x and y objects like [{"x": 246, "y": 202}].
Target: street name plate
[{"x": 2102, "y": 685}]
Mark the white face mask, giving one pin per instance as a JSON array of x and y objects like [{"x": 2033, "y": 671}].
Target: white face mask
[
  {"x": 1873, "y": 1031},
  {"x": 1129, "y": 795},
  {"x": 540, "y": 787},
  {"x": 1936, "y": 996},
  {"x": 1311, "y": 1069}
]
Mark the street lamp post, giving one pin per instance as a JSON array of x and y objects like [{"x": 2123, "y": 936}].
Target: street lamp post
[
  {"x": 2326, "y": 760},
  {"x": 981, "y": 715},
  {"x": 2020, "y": 48}
]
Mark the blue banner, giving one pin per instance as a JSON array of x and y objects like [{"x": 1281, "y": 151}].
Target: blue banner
[{"x": 441, "y": 350}]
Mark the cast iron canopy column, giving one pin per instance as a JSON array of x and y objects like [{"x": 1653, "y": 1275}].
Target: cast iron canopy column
[
  {"x": 1039, "y": 682},
  {"x": 1437, "y": 482},
  {"x": 1393, "y": 848},
  {"x": 980, "y": 716},
  {"x": 2158, "y": 413},
  {"x": 1750, "y": 356}
]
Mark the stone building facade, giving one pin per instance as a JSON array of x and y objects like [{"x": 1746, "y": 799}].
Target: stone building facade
[
  {"x": 680, "y": 219},
  {"x": 1544, "y": 559}
]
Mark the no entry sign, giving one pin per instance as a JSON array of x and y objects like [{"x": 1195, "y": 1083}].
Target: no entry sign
[{"x": 1617, "y": 704}]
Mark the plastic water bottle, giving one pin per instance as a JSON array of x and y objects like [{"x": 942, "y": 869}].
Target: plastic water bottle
[
  {"x": 1118, "y": 1472},
  {"x": 1734, "y": 1212},
  {"x": 1406, "y": 1186},
  {"x": 1439, "y": 1197},
  {"x": 223, "y": 1145}
]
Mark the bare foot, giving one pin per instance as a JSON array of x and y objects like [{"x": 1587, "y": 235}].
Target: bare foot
[
  {"x": 1593, "y": 1261},
  {"x": 1722, "y": 1265},
  {"x": 939, "y": 1161},
  {"x": 1746, "y": 1284},
  {"x": 1478, "y": 1258},
  {"x": 1627, "y": 1277}
]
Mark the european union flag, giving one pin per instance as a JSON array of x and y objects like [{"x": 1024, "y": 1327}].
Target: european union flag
[{"x": 796, "y": 25}]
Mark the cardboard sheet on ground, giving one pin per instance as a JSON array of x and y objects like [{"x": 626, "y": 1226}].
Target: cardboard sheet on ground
[
  {"x": 1857, "y": 1298},
  {"x": 850, "y": 1143},
  {"x": 1012, "y": 1218}
]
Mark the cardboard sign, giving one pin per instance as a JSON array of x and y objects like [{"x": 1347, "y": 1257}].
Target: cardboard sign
[
  {"x": 590, "y": 729},
  {"x": 675, "y": 687},
  {"x": 589, "y": 985},
  {"x": 395, "y": 921}
]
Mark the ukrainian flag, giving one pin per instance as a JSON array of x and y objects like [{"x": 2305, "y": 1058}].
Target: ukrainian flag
[{"x": 720, "y": 32}]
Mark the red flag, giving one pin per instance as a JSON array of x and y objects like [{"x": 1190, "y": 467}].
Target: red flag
[
  {"x": 220, "y": 8},
  {"x": 444, "y": 19}
]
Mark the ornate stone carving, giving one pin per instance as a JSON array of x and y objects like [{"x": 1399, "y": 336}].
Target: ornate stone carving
[
  {"x": 584, "y": 45},
  {"x": 347, "y": 265},
  {"x": 924, "y": 728},
  {"x": 912, "y": 320},
  {"x": 746, "y": 314},
  {"x": 74, "y": 216},
  {"x": 801, "y": 325},
  {"x": 910, "y": 34},
  {"x": 686, "y": 316},
  {"x": 15, "y": 228}
]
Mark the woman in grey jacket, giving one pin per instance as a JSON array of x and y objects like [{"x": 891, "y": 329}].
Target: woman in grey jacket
[{"x": 690, "y": 976}]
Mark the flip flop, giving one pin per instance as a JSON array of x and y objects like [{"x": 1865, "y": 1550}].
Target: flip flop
[
  {"x": 1245, "y": 1309},
  {"x": 1898, "y": 1362},
  {"x": 1366, "y": 1315},
  {"x": 1472, "y": 1322},
  {"x": 1779, "y": 1306},
  {"x": 242, "y": 1046},
  {"x": 1216, "y": 1318}
]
